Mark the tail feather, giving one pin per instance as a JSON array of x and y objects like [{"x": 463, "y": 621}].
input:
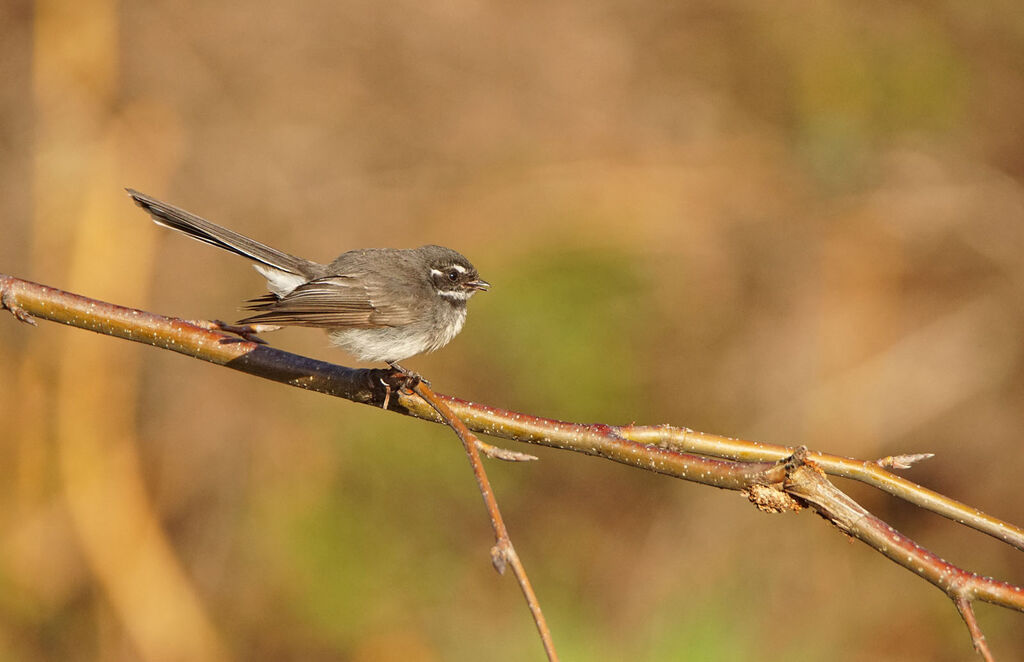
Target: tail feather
[{"x": 203, "y": 230}]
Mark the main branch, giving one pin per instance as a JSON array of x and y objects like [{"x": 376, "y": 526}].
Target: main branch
[{"x": 773, "y": 477}]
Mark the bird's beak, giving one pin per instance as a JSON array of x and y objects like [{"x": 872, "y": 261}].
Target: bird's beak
[{"x": 478, "y": 285}]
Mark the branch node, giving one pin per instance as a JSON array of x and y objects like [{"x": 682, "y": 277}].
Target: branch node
[
  {"x": 7, "y": 301},
  {"x": 797, "y": 459},
  {"x": 770, "y": 499},
  {"x": 500, "y": 555}
]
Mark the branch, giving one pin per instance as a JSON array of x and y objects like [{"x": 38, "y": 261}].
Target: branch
[
  {"x": 775, "y": 478},
  {"x": 503, "y": 554}
]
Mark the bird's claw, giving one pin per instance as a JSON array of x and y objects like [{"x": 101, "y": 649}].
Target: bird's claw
[
  {"x": 399, "y": 380},
  {"x": 405, "y": 380}
]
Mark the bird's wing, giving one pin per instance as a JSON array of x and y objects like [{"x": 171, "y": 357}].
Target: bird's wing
[{"x": 352, "y": 301}]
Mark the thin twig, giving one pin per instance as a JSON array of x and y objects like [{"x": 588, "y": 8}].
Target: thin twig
[
  {"x": 966, "y": 609},
  {"x": 503, "y": 553}
]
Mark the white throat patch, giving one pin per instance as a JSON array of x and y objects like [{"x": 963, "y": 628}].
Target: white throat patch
[{"x": 455, "y": 295}]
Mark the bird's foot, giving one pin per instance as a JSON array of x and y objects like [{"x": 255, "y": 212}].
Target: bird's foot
[
  {"x": 399, "y": 380},
  {"x": 406, "y": 380}
]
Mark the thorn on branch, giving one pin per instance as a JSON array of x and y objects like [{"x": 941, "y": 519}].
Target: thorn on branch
[
  {"x": 498, "y": 453},
  {"x": 902, "y": 461}
]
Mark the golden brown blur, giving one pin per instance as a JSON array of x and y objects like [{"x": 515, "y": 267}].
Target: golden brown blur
[{"x": 799, "y": 223}]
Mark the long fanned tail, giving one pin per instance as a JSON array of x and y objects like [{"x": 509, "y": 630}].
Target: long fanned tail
[{"x": 203, "y": 230}]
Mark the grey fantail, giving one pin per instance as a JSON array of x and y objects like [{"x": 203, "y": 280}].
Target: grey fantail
[{"x": 378, "y": 304}]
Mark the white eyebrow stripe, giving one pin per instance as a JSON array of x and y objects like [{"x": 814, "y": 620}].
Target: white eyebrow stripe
[
  {"x": 458, "y": 267},
  {"x": 435, "y": 272}
]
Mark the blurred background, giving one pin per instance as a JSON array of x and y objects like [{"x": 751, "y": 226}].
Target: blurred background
[{"x": 797, "y": 223}]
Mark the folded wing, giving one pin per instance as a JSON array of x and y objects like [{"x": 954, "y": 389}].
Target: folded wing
[{"x": 332, "y": 302}]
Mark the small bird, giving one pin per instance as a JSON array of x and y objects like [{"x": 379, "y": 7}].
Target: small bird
[{"x": 378, "y": 304}]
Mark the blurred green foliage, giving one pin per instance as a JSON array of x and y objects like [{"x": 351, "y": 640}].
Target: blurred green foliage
[{"x": 574, "y": 337}]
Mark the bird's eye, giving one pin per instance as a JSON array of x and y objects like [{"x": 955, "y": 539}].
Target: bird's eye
[{"x": 453, "y": 275}]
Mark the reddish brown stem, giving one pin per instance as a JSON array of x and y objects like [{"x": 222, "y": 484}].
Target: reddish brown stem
[
  {"x": 503, "y": 553},
  {"x": 966, "y": 609}
]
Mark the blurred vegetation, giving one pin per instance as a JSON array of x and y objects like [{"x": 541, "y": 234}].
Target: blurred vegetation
[{"x": 795, "y": 223}]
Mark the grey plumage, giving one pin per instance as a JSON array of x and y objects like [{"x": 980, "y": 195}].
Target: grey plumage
[{"x": 378, "y": 304}]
